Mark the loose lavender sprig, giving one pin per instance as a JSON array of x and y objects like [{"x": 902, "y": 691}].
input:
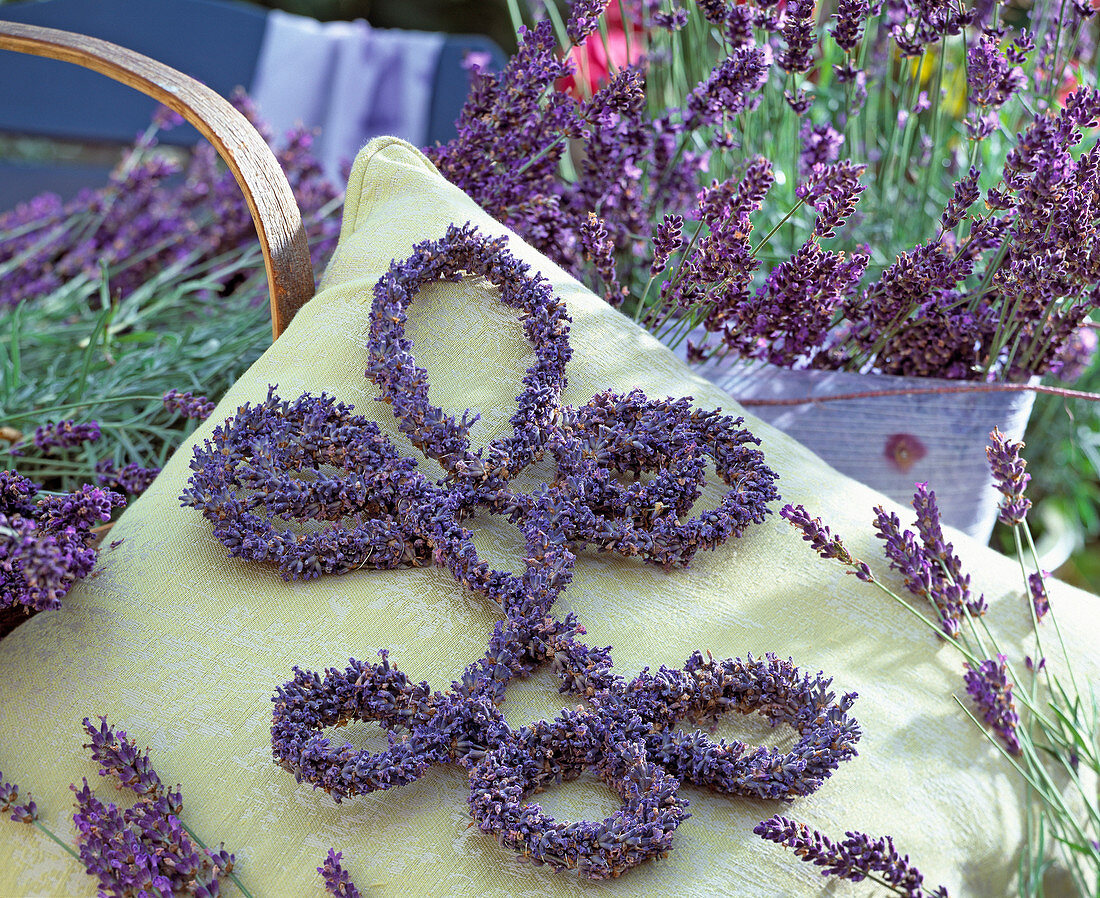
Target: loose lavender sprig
[
  {"x": 989, "y": 687},
  {"x": 1063, "y": 718},
  {"x": 337, "y": 881},
  {"x": 46, "y": 547},
  {"x": 146, "y": 846},
  {"x": 823, "y": 542},
  {"x": 1009, "y": 476},
  {"x": 856, "y": 858},
  {"x": 25, "y": 811},
  {"x": 188, "y": 405},
  {"x": 65, "y": 434}
]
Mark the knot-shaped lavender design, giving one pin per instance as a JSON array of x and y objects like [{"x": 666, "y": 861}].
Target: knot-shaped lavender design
[{"x": 272, "y": 464}]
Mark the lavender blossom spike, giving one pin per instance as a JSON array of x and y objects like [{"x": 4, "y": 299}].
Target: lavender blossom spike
[
  {"x": 989, "y": 687},
  {"x": 1009, "y": 476},
  {"x": 854, "y": 859},
  {"x": 337, "y": 881}
]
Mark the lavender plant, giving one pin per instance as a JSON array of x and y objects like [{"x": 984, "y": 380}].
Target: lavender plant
[
  {"x": 731, "y": 114},
  {"x": 112, "y": 304},
  {"x": 137, "y": 275},
  {"x": 1044, "y": 723},
  {"x": 48, "y": 544},
  {"x": 143, "y": 850}
]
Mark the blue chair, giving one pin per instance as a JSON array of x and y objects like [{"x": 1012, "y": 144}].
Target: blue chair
[{"x": 218, "y": 42}]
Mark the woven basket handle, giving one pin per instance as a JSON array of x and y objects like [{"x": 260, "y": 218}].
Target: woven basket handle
[{"x": 270, "y": 200}]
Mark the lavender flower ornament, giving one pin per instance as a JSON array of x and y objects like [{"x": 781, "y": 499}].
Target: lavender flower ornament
[{"x": 277, "y": 466}]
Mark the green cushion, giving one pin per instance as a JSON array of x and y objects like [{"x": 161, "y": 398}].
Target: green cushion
[{"x": 183, "y": 647}]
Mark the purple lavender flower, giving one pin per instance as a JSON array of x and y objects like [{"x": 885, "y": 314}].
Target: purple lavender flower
[
  {"x": 16, "y": 494},
  {"x": 1040, "y": 598},
  {"x": 65, "y": 434},
  {"x": 132, "y": 479},
  {"x": 854, "y": 859},
  {"x": 599, "y": 250},
  {"x": 931, "y": 569},
  {"x": 25, "y": 811},
  {"x": 733, "y": 87},
  {"x": 851, "y": 16},
  {"x": 820, "y": 146},
  {"x": 823, "y": 542},
  {"x": 667, "y": 239},
  {"x": 584, "y": 16},
  {"x": 146, "y": 846},
  {"x": 989, "y": 687},
  {"x": 188, "y": 405},
  {"x": 44, "y": 553},
  {"x": 798, "y": 33},
  {"x": 337, "y": 880},
  {"x": 671, "y": 21},
  {"x": 1009, "y": 476},
  {"x": 964, "y": 196},
  {"x": 196, "y": 218},
  {"x": 1076, "y": 354},
  {"x": 992, "y": 79},
  {"x": 834, "y": 191}
]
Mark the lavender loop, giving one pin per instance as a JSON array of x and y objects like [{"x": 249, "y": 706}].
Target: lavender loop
[
  {"x": 274, "y": 460},
  {"x": 463, "y": 250},
  {"x": 559, "y": 750},
  {"x": 628, "y": 435},
  {"x": 705, "y": 690},
  {"x": 616, "y": 434},
  {"x": 308, "y": 703}
]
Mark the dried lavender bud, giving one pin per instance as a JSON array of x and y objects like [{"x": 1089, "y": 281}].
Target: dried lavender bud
[
  {"x": 549, "y": 564},
  {"x": 65, "y": 435},
  {"x": 308, "y": 704},
  {"x": 188, "y": 405},
  {"x": 823, "y": 542},
  {"x": 1040, "y": 598},
  {"x": 853, "y": 859},
  {"x": 989, "y": 687},
  {"x": 658, "y": 536},
  {"x": 1009, "y": 476},
  {"x": 337, "y": 880},
  {"x": 240, "y": 482}
]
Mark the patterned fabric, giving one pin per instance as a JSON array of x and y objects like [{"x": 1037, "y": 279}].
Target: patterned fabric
[{"x": 183, "y": 648}]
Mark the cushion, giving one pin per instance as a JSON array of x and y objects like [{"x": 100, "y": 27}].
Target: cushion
[{"x": 184, "y": 647}]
